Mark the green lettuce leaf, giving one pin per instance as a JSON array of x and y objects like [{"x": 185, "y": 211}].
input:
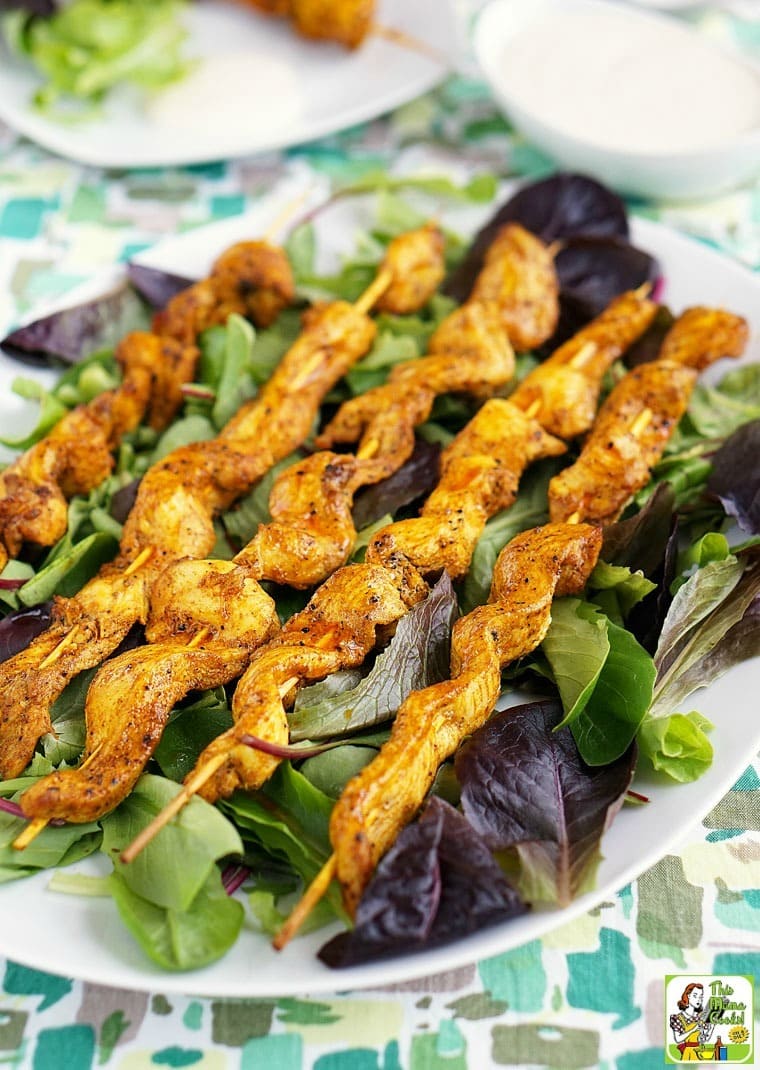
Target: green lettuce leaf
[
  {"x": 173, "y": 868},
  {"x": 182, "y": 939},
  {"x": 417, "y": 656},
  {"x": 677, "y": 745}
]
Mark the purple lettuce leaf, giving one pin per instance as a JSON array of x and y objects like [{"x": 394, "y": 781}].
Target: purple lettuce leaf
[
  {"x": 156, "y": 286},
  {"x": 413, "y": 480},
  {"x": 525, "y": 787},
  {"x": 735, "y": 476},
  {"x": 18, "y": 629},
  {"x": 554, "y": 208},
  {"x": 647, "y": 347},
  {"x": 647, "y": 542},
  {"x": 595, "y": 269},
  {"x": 74, "y": 333},
  {"x": 33, "y": 7},
  {"x": 437, "y": 883},
  {"x": 123, "y": 499}
]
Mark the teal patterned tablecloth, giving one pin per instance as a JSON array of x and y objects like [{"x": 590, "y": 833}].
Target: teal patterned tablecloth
[{"x": 588, "y": 994}]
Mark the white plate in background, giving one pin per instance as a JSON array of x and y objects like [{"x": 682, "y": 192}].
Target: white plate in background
[
  {"x": 83, "y": 937},
  {"x": 258, "y": 86}
]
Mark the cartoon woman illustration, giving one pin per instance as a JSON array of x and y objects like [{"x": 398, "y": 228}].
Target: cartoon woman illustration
[{"x": 690, "y": 1029}]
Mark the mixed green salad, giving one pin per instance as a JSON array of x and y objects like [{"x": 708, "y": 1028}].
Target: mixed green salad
[
  {"x": 673, "y": 603},
  {"x": 85, "y": 48}
]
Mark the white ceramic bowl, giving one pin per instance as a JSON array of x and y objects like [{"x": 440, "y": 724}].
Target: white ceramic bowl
[{"x": 666, "y": 173}]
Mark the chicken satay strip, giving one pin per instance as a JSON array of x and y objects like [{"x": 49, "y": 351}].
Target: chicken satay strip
[
  {"x": 131, "y": 696},
  {"x": 430, "y": 725},
  {"x": 77, "y": 454},
  {"x": 640, "y": 415},
  {"x": 480, "y": 473},
  {"x": 173, "y": 513},
  {"x": 337, "y": 629},
  {"x": 563, "y": 391},
  {"x": 416, "y": 260},
  {"x": 350, "y": 596},
  {"x": 173, "y": 518},
  {"x": 701, "y": 336},
  {"x": 519, "y": 277},
  {"x": 312, "y": 531},
  {"x": 630, "y": 433},
  {"x": 468, "y": 353},
  {"x": 251, "y": 278},
  {"x": 346, "y": 21}
]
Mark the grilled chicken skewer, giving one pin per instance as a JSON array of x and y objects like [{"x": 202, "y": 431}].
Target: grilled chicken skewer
[
  {"x": 173, "y": 517},
  {"x": 530, "y": 571},
  {"x": 252, "y": 278},
  {"x": 640, "y": 415},
  {"x": 480, "y": 474},
  {"x": 309, "y": 502},
  {"x": 312, "y": 531}
]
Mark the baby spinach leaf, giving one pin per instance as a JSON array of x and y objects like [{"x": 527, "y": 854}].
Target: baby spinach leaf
[
  {"x": 189, "y": 730},
  {"x": 417, "y": 656},
  {"x": 69, "y": 572},
  {"x": 609, "y": 721},
  {"x": 527, "y": 789},
  {"x": 332, "y": 770},
  {"x": 181, "y": 939},
  {"x": 576, "y": 647},
  {"x": 173, "y": 868},
  {"x": 56, "y": 845},
  {"x": 234, "y": 385},
  {"x": 51, "y": 411}
]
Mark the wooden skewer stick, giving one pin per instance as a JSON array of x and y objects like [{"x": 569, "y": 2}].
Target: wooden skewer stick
[
  {"x": 376, "y": 289},
  {"x": 30, "y": 832},
  {"x": 56, "y": 652},
  {"x": 284, "y": 216},
  {"x": 306, "y": 904},
  {"x": 139, "y": 561},
  {"x": 406, "y": 40},
  {"x": 35, "y": 827},
  {"x": 585, "y": 353},
  {"x": 367, "y": 450},
  {"x": 197, "y": 781},
  {"x": 642, "y": 421},
  {"x": 192, "y": 787}
]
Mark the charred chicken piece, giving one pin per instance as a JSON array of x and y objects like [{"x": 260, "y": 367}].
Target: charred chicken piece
[
  {"x": 416, "y": 261},
  {"x": 77, "y": 454},
  {"x": 431, "y": 724},
  {"x": 346, "y": 21},
  {"x": 562, "y": 393},
  {"x": 171, "y": 519},
  {"x": 518, "y": 276},
  {"x": 480, "y": 473},
  {"x": 336, "y": 630},
  {"x": 700, "y": 336},
  {"x": 131, "y": 697},
  {"x": 627, "y": 439}
]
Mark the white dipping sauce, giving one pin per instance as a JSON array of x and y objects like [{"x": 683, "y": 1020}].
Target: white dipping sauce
[
  {"x": 228, "y": 93},
  {"x": 627, "y": 81}
]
